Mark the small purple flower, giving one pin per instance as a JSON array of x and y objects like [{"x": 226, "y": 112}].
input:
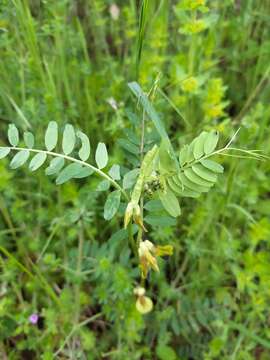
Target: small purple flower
[{"x": 33, "y": 319}]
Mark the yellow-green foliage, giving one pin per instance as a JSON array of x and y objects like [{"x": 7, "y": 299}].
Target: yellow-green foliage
[{"x": 67, "y": 276}]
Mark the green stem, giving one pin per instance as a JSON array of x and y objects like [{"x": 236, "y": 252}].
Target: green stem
[
  {"x": 20, "y": 266},
  {"x": 78, "y": 272},
  {"x": 54, "y": 231},
  {"x": 75, "y": 329},
  {"x": 69, "y": 158}
]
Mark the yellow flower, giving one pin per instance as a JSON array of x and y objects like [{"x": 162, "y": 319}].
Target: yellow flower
[
  {"x": 166, "y": 250},
  {"x": 143, "y": 304},
  {"x": 194, "y": 26},
  {"x": 190, "y": 84},
  {"x": 214, "y": 111},
  {"x": 147, "y": 260},
  {"x": 148, "y": 253}
]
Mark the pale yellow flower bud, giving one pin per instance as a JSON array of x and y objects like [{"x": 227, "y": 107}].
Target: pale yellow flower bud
[
  {"x": 133, "y": 210},
  {"x": 147, "y": 260},
  {"x": 128, "y": 213},
  {"x": 148, "y": 253},
  {"x": 139, "y": 291},
  {"x": 166, "y": 250},
  {"x": 144, "y": 304}
]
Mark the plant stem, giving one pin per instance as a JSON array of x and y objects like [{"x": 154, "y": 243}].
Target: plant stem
[
  {"x": 253, "y": 155},
  {"x": 78, "y": 271},
  {"x": 69, "y": 158},
  {"x": 75, "y": 329},
  {"x": 131, "y": 240},
  {"x": 19, "y": 265},
  {"x": 77, "y": 286},
  {"x": 45, "y": 247}
]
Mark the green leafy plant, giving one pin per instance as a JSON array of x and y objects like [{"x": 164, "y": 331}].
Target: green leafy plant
[
  {"x": 60, "y": 261},
  {"x": 162, "y": 175}
]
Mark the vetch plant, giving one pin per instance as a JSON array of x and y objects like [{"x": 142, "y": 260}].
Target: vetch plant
[{"x": 163, "y": 174}]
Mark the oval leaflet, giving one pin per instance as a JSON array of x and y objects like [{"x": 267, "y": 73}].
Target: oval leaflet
[
  {"x": 51, "y": 136},
  {"x": 101, "y": 156}
]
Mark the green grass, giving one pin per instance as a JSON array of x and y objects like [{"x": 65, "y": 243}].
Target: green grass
[{"x": 65, "y": 61}]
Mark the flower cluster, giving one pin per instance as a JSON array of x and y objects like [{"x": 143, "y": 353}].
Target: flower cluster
[
  {"x": 214, "y": 104},
  {"x": 148, "y": 254}
]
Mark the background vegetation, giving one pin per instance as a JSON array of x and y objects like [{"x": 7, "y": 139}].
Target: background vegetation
[{"x": 70, "y": 61}]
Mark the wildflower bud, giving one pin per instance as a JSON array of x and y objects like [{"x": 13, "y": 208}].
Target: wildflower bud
[
  {"x": 128, "y": 213},
  {"x": 147, "y": 260},
  {"x": 144, "y": 304},
  {"x": 133, "y": 210},
  {"x": 149, "y": 245},
  {"x": 139, "y": 291},
  {"x": 148, "y": 254}
]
